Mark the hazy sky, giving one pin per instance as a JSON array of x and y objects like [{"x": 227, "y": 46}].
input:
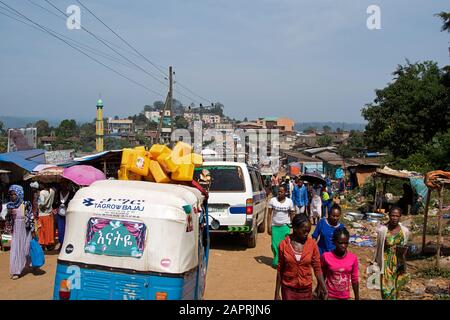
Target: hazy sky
[{"x": 312, "y": 60}]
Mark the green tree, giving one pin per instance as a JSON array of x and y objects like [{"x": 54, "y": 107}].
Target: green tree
[
  {"x": 148, "y": 108},
  {"x": 410, "y": 111},
  {"x": 67, "y": 129},
  {"x": 43, "y": 128},
  {"x": 354, "y": 147},
  {"x": 445, "y": 17},
  {"x": 217, "y": 109},
  {"x": 438, "y": 151},
  {"x": 158, "y": 105},
  {"x": 326, "y": 129},
  {"x": 181, "y": 122},
  {"x": 345, "y": 151},
  {"x": 324, "y": 141},
  {"x": 152, "y": 125},
  {"x": 87, "y": 136},
  {"x": 3, "y": 138},
  {"x": 2, "y": 128},
  {"x": 310, "y": 130},
  {"x": 116, "y": 144}
]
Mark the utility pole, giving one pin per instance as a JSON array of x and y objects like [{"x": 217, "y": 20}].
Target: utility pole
[{"x": 165, "y": 128}]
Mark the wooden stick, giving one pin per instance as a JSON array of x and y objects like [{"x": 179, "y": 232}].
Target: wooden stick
[
  {"x": 425, "y": 219},
  {"x": 441, "y": 200},
  {"x": 375, "y": 197}
]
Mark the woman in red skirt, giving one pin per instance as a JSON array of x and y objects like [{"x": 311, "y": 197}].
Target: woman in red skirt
[{"x": 298, "y": 254}]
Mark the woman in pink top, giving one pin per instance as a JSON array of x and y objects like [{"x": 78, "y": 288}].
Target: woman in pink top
[{"x": 340, "y": 268}]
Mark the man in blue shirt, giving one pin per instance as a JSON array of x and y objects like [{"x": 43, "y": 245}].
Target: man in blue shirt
[{"x": 300, "y": 196}]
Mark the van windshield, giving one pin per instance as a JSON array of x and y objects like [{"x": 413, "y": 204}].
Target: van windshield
[{"x": 223, "y": 178}]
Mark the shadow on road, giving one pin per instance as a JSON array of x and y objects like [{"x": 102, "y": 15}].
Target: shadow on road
[
  {"x": 264, "y": 260},
  {"x": 31, "y": 271},
  {"x": 229, "y": 242}
]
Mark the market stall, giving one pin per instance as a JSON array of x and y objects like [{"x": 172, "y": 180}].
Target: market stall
[
  {"x": 439, "y": 181},
  {"x": 412, "y": 179}
]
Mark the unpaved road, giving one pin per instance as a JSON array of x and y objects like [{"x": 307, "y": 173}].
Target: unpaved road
[{"x": 234, "y": 273}]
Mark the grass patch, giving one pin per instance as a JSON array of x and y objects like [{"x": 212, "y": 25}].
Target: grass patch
[{"x": 433, "y": 272}]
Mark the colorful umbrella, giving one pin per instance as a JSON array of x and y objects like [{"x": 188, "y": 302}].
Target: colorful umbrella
[
  {"x": 41, "y": 167},
  {"x": 51, "y": 174},
  {"x": 83, "y": 175}
]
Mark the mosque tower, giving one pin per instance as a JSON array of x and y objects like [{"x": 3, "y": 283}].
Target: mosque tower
[{"x": 99, "y": 132}]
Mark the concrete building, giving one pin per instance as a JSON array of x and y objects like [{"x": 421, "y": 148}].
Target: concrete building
[
  {"x": 283, "y": 124},
  {"x": 249, "y": 125},
  {"x": 191, "y": 116},
  {"x": 223, "y": 126},
  {"x": 210, "y": 118},
  {"x": 120, "y": 126},
  {"x": 152, "y": 115}
]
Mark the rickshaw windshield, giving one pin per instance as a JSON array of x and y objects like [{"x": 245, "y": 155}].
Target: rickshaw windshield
[{"x": 115, "y": 237}]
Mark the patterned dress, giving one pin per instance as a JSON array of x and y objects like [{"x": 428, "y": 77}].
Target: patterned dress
[{"x": 392, "y": 280}]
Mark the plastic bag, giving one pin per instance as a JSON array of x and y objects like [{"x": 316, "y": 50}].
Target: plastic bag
[
  {"x": 36, "y": 254},
  {"x": 373, "y": 276}
]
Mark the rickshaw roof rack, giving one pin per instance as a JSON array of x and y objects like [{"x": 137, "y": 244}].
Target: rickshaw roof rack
[{"x": 161, "y": 193}]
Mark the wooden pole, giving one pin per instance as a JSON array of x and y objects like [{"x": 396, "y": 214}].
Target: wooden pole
[
  {"x": 425, "y": 219},
  {"x": 441, "y": 200},
  {"x": 104, "y": 167},
  {"x": 375, "y": 197}
]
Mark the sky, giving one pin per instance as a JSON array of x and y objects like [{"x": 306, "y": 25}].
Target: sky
[{"x": 312, "y": 60}]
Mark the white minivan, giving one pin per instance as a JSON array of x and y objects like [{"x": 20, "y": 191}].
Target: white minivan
[{"x": 237, "y": 199}]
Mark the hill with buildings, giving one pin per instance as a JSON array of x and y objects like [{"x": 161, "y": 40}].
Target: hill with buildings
[{"x": 302, "y": 126}]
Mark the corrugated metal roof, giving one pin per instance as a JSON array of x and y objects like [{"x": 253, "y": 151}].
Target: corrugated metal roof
[
  {"x": 27, "y": 160},
  {"x": 317, "y": 150},
  {"x": 95, "y": 156},
  {"x": 300, "y": 156}
]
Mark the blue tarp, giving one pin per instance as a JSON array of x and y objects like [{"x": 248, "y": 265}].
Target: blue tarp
[
  {"x": 339, "y": 173},
  {"x": 27, "y": 160},
  {"x": 419, "y": 186}
]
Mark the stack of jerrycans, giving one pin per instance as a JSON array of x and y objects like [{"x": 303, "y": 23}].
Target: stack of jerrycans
[{"x": 159, "y": 164}]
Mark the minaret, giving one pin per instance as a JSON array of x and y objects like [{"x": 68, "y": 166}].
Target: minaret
[{"x": 99, "y": 127}]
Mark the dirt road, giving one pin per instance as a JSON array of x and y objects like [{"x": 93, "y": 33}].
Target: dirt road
[{"x": 235, "y": 273}]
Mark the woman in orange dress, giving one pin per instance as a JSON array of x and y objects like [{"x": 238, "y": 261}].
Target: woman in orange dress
[{"x": 46, "y": 223}]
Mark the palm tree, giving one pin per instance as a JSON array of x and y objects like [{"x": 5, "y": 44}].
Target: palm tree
[{"x": 445, "y": 16}]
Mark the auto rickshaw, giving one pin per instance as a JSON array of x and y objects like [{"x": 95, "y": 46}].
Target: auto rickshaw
[{"x": 134, "y": 240}]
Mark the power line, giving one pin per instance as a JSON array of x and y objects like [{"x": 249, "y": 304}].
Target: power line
[
  {"x": 61, "y": 18},
  {"x": 77, "y": 43},
  {"x": 139, "y": 53},
  {"x": 117, "y": 35},
  {"x": 184, "y": 87},
  {"x": 79, "y": 50},
  {"x": 99, "y": 39}
]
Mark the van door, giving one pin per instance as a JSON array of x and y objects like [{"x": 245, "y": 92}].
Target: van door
[
  {"x": 263, "y": 196},
  {"x": 258, "y": 196}
]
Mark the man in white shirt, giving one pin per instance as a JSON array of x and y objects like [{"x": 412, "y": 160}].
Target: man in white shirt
[{"x": 280, "y": 214}]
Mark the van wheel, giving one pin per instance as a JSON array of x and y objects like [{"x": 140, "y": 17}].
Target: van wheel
[
  {"x": 262, "y": 226},
  {"x": 250, "y": 238}
]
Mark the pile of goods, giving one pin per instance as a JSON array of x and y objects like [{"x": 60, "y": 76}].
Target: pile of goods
[{"x": 160, "y": 164}]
